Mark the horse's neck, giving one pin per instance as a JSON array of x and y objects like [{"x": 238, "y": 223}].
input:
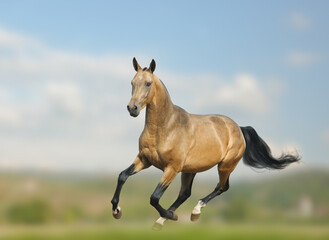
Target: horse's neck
[{"x": 159, "y": 110}]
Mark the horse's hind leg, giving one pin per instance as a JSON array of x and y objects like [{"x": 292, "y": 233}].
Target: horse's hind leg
[
  {"x": 185, "y": 193},
  {"x": 224, "y": 171},
  {"x": 167, "y": 177}
]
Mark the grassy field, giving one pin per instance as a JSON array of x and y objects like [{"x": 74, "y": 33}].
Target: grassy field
[
  {"x": 171, "y": 231},
  {"x": 36, "y": 206}
]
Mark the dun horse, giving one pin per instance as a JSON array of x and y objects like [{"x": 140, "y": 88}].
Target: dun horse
[{"x": 176, "y": 141}]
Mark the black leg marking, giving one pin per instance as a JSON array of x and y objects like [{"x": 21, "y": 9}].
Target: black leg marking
[
  {"x": 185, "y": 191},
  {"x": 216, "y": 192},
  {"x": 121, "y": 180},
  {"x": 154, "y": 201}
]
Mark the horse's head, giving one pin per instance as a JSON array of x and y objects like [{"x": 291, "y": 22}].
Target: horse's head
[{"x": 142, "y": 88}]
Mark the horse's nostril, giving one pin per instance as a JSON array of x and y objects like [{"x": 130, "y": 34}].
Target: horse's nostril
[
  {"x": 135, "y": 107},
  {"x": 128, "y": 107}
]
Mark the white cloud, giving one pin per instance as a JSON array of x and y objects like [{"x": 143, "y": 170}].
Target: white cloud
[
  {"x": 66, "y": 96},
  {"x": 67, "y": 154},
  {"x": 9, "y": 116},
  {"x": 16, "y": 42},
  {"x": 9, "y": 113},
  {"x": 299, "y": 21},
  {"x": 25, "y": 58},
  {"x": 244, "y": 93},
  {"x": 301, "y": 59}
]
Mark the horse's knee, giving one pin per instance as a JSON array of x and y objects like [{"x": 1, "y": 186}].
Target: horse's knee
[
  {"x": 154, "y": 201},
  {"x": 122, "y": 177},
  {"x": 125, "y": 174}
]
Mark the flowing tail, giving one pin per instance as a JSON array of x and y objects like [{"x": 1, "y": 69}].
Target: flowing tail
[{"x": 258, "y": 154}]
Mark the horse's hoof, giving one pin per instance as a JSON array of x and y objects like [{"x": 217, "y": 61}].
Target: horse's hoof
[
  {"x": 117, "y": 213},
  {"x": 195, "y": 217},
  {"x": 174, "y": 216},
  {"x": 157, "y": 226}
]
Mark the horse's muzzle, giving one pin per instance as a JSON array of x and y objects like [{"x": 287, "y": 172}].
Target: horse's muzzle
[{"x": 133, "y": 110}]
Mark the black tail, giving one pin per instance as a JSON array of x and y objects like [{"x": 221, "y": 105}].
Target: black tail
[{"x": 258, "y": 154}]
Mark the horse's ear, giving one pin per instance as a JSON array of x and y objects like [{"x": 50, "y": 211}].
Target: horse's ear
[
  {"x": 136, "y": 65},
  {"x": 152, "y": 66}
]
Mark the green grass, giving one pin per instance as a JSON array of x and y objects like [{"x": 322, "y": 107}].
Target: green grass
[
  {"x": 78, "y": 207},
  {"x": 170, "y": 231}
]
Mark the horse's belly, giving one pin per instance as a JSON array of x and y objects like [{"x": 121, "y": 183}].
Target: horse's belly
[{"x": 203, "y": 157}]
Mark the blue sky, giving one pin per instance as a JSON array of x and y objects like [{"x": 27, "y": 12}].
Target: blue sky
[{"x": 65, "y": 71}]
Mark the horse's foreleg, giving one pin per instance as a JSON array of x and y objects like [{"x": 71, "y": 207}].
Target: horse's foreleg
[
  {"x": 184, "y": 194},
  {"x": 167, "y": 177},
  {"x": 185, "y": 190},
  {"x": 137, "y": 166}
]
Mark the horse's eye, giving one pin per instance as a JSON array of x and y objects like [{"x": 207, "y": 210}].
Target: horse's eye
[{"x": 148, "y": 84}]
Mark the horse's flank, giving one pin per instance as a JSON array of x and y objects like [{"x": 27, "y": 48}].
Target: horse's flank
[{"x": 187, "y": 142}]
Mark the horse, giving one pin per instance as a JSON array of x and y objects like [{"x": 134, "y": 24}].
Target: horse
[{"x": 176, "y": 141}]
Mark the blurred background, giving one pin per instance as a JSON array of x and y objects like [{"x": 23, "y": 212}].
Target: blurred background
[{"x": 65, "y": 133}]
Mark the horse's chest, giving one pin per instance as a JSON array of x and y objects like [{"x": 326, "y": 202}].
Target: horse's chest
[
  {"x": 148, "y": 150},
  {"x": 155, "y": 152}
]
